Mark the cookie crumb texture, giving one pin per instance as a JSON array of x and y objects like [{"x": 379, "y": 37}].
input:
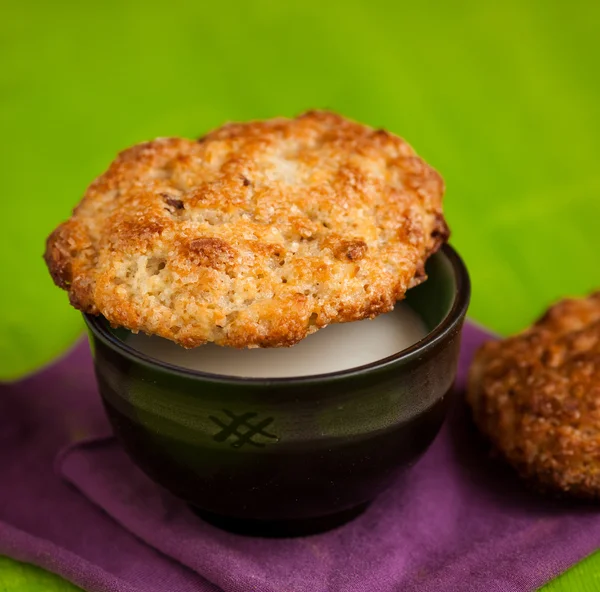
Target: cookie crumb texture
[
  {"x": 253, "y": 236},
  {"x": 537, "y": 397}
]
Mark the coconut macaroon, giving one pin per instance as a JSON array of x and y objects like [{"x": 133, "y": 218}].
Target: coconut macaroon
[
  {"x": 257, "y": 234},
  {"x": 536, "y": 396}
]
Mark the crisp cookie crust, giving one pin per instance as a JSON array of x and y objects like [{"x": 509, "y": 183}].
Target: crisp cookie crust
[
  {"x": 255, "y": 235},
  {"x": 536, "y": 396}
]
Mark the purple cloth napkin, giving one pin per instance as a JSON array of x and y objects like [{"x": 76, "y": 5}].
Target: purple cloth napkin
[{"x": 461, "y": 521}]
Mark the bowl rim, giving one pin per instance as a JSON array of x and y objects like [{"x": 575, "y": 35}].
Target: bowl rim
[{"x": 98, "y": 325}]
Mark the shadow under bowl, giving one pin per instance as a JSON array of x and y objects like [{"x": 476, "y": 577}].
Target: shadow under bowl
[{"x": 287, "y": 456}]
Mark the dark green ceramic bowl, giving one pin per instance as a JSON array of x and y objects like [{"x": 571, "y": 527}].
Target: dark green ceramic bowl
[{"x": 287, "y": 455}]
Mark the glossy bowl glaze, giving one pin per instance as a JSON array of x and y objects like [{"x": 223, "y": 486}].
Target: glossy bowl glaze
[{"x": 287, "y": 456}]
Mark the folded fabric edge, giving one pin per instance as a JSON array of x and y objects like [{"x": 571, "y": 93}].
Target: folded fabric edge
[
  {"x": 62, "y": 454},
  {"x": 84, "y": 446},
  {"x": 21, "y": 546}
]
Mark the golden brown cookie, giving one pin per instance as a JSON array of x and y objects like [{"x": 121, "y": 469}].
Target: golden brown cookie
[
  {"x": 536, "y": 396},
  {"x": 255, "y": 235}
]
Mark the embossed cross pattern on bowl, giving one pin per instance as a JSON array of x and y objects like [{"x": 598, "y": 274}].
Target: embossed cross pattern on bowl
[{"x": 239, "y": 430}]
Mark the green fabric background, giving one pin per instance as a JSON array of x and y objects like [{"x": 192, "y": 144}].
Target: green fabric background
[{"x": 503, "y": 98}]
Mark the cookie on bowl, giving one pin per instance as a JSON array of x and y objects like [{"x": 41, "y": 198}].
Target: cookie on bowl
[
  {"x": 256, "y": 235},
  {"x": 536, "y": 396}
]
